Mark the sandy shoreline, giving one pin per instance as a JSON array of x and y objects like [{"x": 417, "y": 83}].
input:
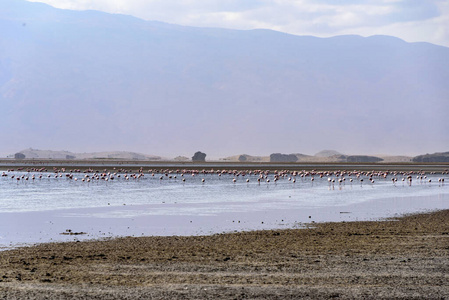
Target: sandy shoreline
[{"x": 403, "y": 258}]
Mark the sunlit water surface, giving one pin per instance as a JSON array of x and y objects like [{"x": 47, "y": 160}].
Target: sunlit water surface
[{"x": 40, "y": 209}]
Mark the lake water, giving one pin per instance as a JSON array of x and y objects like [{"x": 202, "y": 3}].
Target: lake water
[{"x": 40, "y": 209}]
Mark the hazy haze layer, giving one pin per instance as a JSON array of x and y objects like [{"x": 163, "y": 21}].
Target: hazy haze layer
[{"x": 90, "y": 81}]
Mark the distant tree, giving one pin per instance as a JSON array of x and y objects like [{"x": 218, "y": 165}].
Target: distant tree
[
  {"x": 436, "y": 157},
  {"x": 363, "y": 159},
  {"x": 19, "y": 155},
  {"x": 243, "y": 158},
  {"x": 69, "y": 157},
  {"x": 278, "y": 157},
  {"x": 199, "y": 156}
]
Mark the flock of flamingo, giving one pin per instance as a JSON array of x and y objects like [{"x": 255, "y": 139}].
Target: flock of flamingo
[{"x": 339, "y": 177}]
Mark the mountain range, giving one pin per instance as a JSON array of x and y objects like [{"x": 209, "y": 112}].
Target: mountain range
[
  {"x": 325, "y": 156},
  {"x": 89, "y": 81}
]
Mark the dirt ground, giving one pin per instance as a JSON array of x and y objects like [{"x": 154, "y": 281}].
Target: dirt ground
[{"x": 406, "y": 258}]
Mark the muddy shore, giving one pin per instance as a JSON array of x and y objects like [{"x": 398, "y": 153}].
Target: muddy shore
[
  {"x": 134, "y": 165},
  {"x": 398, "y": 258}
]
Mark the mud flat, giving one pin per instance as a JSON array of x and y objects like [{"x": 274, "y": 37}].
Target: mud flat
[
  {"x": 401, "y": 258},
  {"x": 114, "y": 164}
]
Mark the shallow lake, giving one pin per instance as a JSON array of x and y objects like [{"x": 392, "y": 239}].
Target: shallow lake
[{"x": 40, "y": 209}]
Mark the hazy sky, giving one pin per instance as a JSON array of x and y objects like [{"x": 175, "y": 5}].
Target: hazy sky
[{"x": 411, "y": 20}]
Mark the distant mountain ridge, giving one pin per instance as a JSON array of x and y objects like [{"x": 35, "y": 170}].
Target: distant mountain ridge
[
  {"x": 91, "y": 80},
  {"x": 442, "y": 157},
  {"x": 51, "y": 154}
]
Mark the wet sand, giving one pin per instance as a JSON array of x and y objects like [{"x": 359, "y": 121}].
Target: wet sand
[{"x": 400, "y": 258}]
